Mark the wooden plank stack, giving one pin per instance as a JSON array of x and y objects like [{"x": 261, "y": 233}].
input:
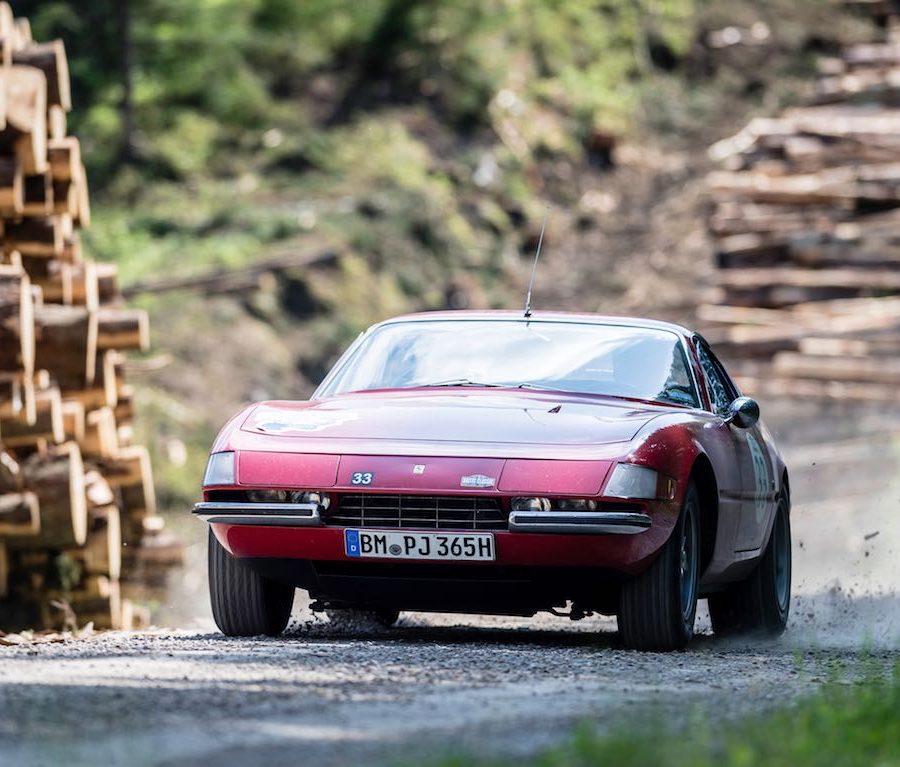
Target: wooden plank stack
[
  {"x": 806, "y": 226},
  {"x": 74, "y": 491}
]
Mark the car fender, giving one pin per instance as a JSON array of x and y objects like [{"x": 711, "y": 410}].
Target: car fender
[{"x": 672, "y": 444}]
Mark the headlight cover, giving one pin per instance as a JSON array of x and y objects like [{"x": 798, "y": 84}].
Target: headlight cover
[
  {"x": 323, "y": 500},
  {"x": 629, "y": 480},
  {"x": 575, "y": 504},
  {"x": 267, "y": 496},
  {"x": 219, "y": 470},
  {"x": 530, "y": 504}
]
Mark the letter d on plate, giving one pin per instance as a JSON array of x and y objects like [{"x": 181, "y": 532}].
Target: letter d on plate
[{"x": 351, "y": 543}]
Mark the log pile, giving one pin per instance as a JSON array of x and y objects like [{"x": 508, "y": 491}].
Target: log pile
[
  {"x": 806, "y": 226},
  {"x": 75, "y": 493}
]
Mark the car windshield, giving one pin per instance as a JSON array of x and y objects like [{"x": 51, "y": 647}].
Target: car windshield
[{"x": 615, "y": 360}]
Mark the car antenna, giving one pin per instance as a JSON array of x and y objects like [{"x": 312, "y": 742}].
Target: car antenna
[{"x": 537, "y": 255}]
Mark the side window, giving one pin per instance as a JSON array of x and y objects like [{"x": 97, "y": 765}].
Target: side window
[{"x": 720, "y": 389}]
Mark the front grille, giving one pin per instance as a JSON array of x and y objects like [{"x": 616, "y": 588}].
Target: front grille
[{"x": 422, "y": 512}]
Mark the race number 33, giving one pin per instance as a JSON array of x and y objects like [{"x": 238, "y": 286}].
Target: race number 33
[{"x": 362, "y": 478}]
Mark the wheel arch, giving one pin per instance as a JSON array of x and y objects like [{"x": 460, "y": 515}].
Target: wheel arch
[
  {"x": 786, "y": 489},
  {"x": 704, "y": 478}
]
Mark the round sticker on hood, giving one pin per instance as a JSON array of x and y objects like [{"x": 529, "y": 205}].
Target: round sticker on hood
[{"x": 283, "y": 422}]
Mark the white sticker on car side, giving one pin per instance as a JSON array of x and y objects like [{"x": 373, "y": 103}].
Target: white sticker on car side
[{"x": 761, "y": 475}]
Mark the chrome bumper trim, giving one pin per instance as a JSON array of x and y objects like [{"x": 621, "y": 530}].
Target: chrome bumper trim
[
  {"x": 579, "y": 522},
  {"x": 271, "y": 514}
]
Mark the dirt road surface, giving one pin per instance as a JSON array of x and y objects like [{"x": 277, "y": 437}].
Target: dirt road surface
[
  {"x": 448, "y": 683},
  {"x": 364, "y": 698}
]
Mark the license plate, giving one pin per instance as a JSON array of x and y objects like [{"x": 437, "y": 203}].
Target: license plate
[{"x": 390, "y": 544}]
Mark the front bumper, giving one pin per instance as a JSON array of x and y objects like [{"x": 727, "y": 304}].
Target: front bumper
[
  {"x": 535, "y": 539},
  {"x": 265, "y": 514},
  {"x": 307, "y": 515},
  {"x": 579, "y": 522}
]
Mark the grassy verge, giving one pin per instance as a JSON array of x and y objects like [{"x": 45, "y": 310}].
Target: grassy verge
[{"x": 843, "y": 724}]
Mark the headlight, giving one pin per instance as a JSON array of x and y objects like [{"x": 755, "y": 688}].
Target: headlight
[
  {"x": 289, "y": 496},
  {"x": 629, "y": 480},
  {"x": 311, "y": 496},
  {"x": 219, "y": 470},
  {"x": 530, "y": 504},
  {"x": 267, "y": 496},
  {"x": 576, "y": 504}
]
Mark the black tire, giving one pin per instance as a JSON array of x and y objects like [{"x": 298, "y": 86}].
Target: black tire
[
  {"x": 761, "y": 603},
  {"x": 658, "y": 607},
  {"x": 355, "y": 617},
  {"x": 244, "y": 603}
]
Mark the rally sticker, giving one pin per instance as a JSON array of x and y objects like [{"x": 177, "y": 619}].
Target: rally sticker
[
  {"x": 362, "y": 478},
  {"x": 280, "y": 421},
  {"x": 477, "y": 480},
  {"x": 761, "y": 474}
]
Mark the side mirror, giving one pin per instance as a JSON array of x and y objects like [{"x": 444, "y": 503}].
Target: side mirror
[{"x": 743, "y": 412}]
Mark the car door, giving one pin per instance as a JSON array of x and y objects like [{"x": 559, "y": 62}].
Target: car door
[{"x": 757, "y": 477}]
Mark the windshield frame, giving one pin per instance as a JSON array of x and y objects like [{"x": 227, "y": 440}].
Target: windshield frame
[{"x": 344, "y": 360}]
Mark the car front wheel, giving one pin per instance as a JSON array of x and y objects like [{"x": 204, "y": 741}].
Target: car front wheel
[
  {"x": 760, "y": 604},
  {"x": 658, "y": 607},
  {"x": 244, "y": 603}
]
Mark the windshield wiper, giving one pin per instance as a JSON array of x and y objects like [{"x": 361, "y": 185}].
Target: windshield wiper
[
  {"x": 461, "y": 382},
  {"x": 538, "y": 387}
]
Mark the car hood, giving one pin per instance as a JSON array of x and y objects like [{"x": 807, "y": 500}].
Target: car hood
[{"x": 458, "y": 421}]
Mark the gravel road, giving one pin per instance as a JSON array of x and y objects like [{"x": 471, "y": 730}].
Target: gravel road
[
  {"x": 328, "y": 696},
  {"x": 351, "y": 698}
]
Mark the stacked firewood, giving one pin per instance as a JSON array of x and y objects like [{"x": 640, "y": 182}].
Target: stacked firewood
[
  {"x": 806, "y": 228},
  {"x": 75, "y": 493}
]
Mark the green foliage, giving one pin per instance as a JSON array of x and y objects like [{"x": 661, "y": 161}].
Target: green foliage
[
  {"x": 845, "y": 724},
  {"x": 206, "y": 73}
]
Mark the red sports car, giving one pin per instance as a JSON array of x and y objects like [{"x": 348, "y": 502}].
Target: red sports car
[{"x": 488, "y": 462}]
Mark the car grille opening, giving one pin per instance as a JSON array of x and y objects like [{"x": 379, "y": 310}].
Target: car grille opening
[{"x": 420, "y": 512}]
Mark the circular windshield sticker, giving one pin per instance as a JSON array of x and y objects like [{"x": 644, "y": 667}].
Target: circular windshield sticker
[{"x": 761, "y": 474}]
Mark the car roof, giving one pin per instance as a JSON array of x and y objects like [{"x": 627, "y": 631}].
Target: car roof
[{"x": 508, "y": 315}]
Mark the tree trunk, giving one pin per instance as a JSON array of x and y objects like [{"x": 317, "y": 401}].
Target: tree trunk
[
  {"x": 17, "y": 397},
  {"x": 58, "y": 482},
  {"x": 51, "y": 59},
  {"x": 25, "y": 134},
  {"x": 17, "y": 344},
  {"x": 19, "y": 515},
  {"x": 47, "y": 426},
  {"x": 37, "y": 236},
  {"x": 100, "y": 436},
  {"x": 123, "y": 329},
  {"x": 12, "y": 191},
  {"x": 129, "y": 153},
  {"x": 10, "y": 474},
  {"x": 73, "y": 421},
  {"x": 38, "y": 195},
  {"x": 102, "y": 551},
  {"x": 67, "y": 344}
]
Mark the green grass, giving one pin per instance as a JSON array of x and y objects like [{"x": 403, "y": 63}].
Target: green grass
[{"x": 846, "y": 723}]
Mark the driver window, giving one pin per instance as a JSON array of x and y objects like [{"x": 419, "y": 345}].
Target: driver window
[{"x": 719, "y": 390}]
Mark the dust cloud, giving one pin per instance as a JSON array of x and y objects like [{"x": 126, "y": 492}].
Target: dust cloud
[{"x": 844, "y": 464}]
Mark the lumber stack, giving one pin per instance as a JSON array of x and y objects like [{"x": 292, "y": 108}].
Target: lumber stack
[
  {"x": 806, "y": 227},
  {"x": 75, "y": 493}
]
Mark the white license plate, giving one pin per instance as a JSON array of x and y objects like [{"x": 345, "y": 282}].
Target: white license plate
[{"x": 392, "y": 544}]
